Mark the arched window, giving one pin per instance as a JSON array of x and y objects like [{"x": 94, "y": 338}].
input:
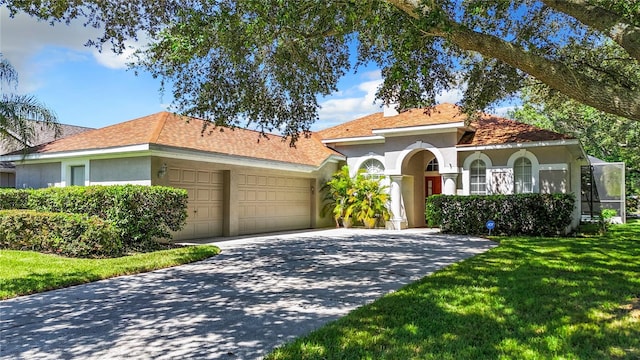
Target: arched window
[
  {"x": 478, "y": 178},
  {"x": 432, "y": 165},
  {"x": 522, "y": 176},
  {"x": 372, "y": 167}
]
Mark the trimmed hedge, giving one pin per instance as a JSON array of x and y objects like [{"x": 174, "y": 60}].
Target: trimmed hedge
[
  {"x": 520, "y": 214},
  {"x": 141, "y": 214},
  {"x": 72, "y": 235},
  {"x": 14, "y": 199}
]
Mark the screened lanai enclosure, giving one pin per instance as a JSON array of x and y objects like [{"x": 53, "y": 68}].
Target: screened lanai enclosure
[{"x": 603, "y": 187}]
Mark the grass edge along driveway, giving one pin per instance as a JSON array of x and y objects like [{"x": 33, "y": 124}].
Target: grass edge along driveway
[
  {"x": 529, "y": 298},
  {"x": 28, "y": 272}
]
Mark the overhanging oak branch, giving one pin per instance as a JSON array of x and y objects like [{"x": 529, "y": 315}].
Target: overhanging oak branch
[
  {"x": 587, "y": 90},
  {"x": 609, "y": 23},
  {"x": 609, "y": 98}
]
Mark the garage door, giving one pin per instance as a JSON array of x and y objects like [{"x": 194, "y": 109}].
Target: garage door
[
  {"x": 205, "y": 213},
  {"x": 272, "y": 203}
]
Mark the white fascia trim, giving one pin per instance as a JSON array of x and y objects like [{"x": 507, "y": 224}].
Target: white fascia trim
[
  {"x": 332, "y": 159},
  {"x": 422, "y": 129},
  {"x": 519, "y": 145},
  {"x": 185, "y": 154},
  {"x": 57, "y": 156},
  {"x": 359, "y": 139},
  {"x": 175, "y": 153}
]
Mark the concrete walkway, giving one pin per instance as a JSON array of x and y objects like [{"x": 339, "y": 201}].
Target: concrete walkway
[{"x": 257, "y": 294}]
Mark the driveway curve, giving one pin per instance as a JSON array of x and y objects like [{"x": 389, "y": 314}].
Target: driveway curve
[{"x": 257, "y": 294}]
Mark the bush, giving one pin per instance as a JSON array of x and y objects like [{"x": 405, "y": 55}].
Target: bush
[
  {"x": 361, "y": 198},
  {"x": 72, "y": 235},
  {"x": 521, "y": 214},
  {"x": 13, "y": 199},
  {"x": 142, "y": 214},
  {"x": 604, "y": 221}
]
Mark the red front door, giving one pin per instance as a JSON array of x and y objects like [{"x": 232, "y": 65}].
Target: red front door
[{"x": 432, "y": 185}]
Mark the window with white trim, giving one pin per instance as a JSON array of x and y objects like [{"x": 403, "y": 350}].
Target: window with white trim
[
  {"x": 522, "y": 176},
  {"x": 478, "y": 178},
  {"x": 372, "y": 167}
]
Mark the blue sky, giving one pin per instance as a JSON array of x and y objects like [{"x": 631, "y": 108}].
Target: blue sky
[{"x": 88, "y": 88}]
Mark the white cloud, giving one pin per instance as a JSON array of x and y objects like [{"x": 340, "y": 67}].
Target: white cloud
[
  {"x": 359, "y": 100},
  {"x": 452, "y": 96},
  {"x": 336, "y": 109},
  {"x": 23, "y": 37},
  {"x": 503, "y": 110},
  {"x": 112, "y": 60}
]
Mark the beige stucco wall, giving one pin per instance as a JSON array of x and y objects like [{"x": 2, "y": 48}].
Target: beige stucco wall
[
  {"x": 413, "y": 187},
  {"x": 133, "y": 170},
  {"x": 396, "y": 150},
  {"x": 37, "y": 176},
  {"x": 554, "y": 182},
  {"x": 236, "y": 183},
  {"x": 545, "y": 155}
]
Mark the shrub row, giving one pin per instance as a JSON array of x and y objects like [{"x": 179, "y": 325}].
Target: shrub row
[
  {"x": 72, "y": 235},
  {"x": 521, "y": 214},
  {"x": 141, "y": 214}
]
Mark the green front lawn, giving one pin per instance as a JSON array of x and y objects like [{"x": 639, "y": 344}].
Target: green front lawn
[
  {"x": 27, "y": 272},
  {"x": 529, "y": 298}
]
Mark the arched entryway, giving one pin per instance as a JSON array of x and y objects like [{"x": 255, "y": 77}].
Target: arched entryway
[{"x": 420, "y": 178}]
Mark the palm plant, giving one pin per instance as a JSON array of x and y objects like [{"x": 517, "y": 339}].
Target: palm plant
[
  {"x": 16, "y": 111},
  {"x": 368, "y": 201},
  {"x": 336, "y": 199}
]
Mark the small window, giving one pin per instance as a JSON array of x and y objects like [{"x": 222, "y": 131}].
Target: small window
[
  {"x": 478, "y": 173},
  {"x": 522, "y": 176},
  {"x": 432, "y": 165},
  {"x": 77, "y": 175},
  {"x": 372, "y": 167}
]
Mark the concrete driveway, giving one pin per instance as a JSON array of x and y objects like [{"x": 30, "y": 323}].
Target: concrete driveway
[{"x": 257, "y": 294}]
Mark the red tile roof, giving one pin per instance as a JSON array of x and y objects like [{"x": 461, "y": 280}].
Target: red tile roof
[
  {"x": 178, "y": 131},
  {"x": 487, "y": 130}
]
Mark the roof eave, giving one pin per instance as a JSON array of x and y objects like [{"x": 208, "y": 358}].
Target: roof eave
[
  {"x": 421, "y": 129},
  {"x": 239, "y": 160},
  {"x": 75, "y": 153},
  {"x": 518, "y": 145},
  {"x": 355, "y": 140}
]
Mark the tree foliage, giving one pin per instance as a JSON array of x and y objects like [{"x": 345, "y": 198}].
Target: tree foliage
[
  {"x": 267, "y": 62},
  {"x": 17, "y": 111},
  {"x": 605, "y": 136}
]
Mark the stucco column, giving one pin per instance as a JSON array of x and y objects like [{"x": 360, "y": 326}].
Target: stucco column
[
  {"x": 449, "y": 183},
  {"x": 230, "y": 224},
  {"x": 398, "y": 216}
]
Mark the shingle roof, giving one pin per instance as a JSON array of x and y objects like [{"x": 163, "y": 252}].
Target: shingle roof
[
  {"x": 486, "y": 130},
  {"x": 440, "y": 114},
  {"x": 43, "y": 134},
  {"x": 178, "y": 131},
  {"x": 493, "y": 130}
]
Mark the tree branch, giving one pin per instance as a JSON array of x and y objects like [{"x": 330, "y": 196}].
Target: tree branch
[
  {"x": 613, "y": 99},
  {"x": 409, "y": 7},
  {"x": 609, "y": 23}
]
